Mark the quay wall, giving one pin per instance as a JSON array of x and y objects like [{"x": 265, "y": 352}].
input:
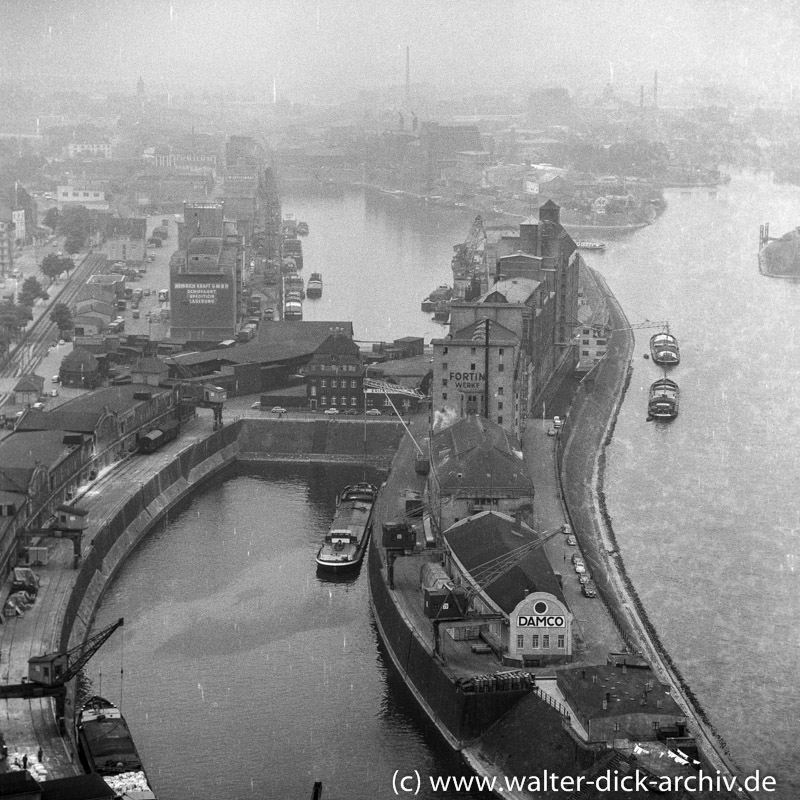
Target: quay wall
[
  {"x": 459, "y": 716},
  {"x": 143, "y": 505},
  {"x": 587, "y": 431}
]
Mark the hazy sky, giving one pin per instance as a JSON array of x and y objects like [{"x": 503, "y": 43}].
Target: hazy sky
[{"x": 322, "y": 47}]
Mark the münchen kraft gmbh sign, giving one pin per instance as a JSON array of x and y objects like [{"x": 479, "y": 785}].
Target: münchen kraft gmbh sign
[{"x": 468, "y": 381}]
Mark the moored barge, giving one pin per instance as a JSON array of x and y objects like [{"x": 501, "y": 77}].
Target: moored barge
[
  {"x": 663, "y": 402},
  {"x": 664, "y": 349},
  {"x": 106, "y": 747},
  {"x": 347, "y": 538}
]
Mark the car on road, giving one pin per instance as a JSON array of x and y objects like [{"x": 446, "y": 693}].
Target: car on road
[
  {"x": 55, "y": 379},
  {"x": 374, "y": 412},
  {"x": 350, "y": 412},
  {"x": 557, "y": 422},
  {"x": 572, "y": 541},
  {"x": 54, "y": 393},
  {"x": 38, "y": 406},
  {"x": 146, "y": 292},
  {"x": 331, "y": 411},
  {"x": 566, "y": 528},
  {"x": 580, "y": 569},
  {"x": 577, "y": 558},
  {"x": 588, "y": 591},
  {"x": 584, "y": 578},
  {"x": 256, "y": 406},
  {"x": 278, "y": 410}
]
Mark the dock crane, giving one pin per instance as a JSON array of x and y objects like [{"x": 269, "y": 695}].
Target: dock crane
[
  {"x": 483, "y": 576},
  {"x": 470, "y": 269},
  {"x": 198, "y": 396},
  {"x": 49, "y": 674}
]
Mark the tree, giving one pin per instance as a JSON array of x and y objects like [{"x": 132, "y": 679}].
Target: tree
[
  {"x": 61, "y": 316},
  {"x": 13, "y": 318},
  {"x": 31, "y": 291},
  {"x": 74, "y": 243},
  {"x": 51, "y": 217},
  {"x": 52, "y": 266}
]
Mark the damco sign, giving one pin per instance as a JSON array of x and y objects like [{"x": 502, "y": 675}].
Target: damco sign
[
  {"x": 468, "y": 381},
  {"x": 540, "y": 622}
]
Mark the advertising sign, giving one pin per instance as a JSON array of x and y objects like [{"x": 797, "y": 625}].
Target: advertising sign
[{"x": 468, "y": 382}]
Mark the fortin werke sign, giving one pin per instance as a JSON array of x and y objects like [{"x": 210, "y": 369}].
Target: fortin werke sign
[{"x": 468, "y": 381}]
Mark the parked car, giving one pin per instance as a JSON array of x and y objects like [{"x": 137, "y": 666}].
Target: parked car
[
  {"x": 584, "y": 578},
  {"x": 572, "y": 541},
  {"x": 38, "y": 406},
  {"x": 557, "y": 422},
  {"x": 331, "y": 411},
  {"x": 146, "y": 292},
  {"x": 566, "y": 528},
  {"x": 374, "y": 412},
  {"x": 55, "y": 379},
  {"x": 281, "y": 410},
  {"x": 54, "y": 393},
  {"x": 256, "y": 406},
  {"x": 580, "y": 569},
  {"x": 350, "y": 412},
  {"x": 588, "y": 591},
  {"x": 577, "y": 558}
]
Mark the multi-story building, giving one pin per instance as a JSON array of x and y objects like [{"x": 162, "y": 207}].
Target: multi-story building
[
  {"x": 69, "y": 196},
  {"x": 534, "y": 299},
  {"x": 98, "y": 149},
  {"x": 335, "y": 375},
  {"x": 475, "y": 371},
  {"x": 205, "y": 276},
  {"x": 6, "y": 247},
  {"x": 126, "y": 239}
]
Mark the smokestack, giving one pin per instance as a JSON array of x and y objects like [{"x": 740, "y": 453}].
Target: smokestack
[{"x": 408, "y": 72}]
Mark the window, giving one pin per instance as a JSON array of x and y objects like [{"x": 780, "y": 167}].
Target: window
[
  {"x": 444, "y": 366},
  {"x": 500, "y": 350},
  {"x": 472, "y": 367},
  {"x": 585, "y": 341},
  {"x": 444, "y": 351},
  {"x": 520, "y": 641},
  {"x": 499, "y": 420},
  {"x": 352, "y": 401},
  {"x": 472, "y": 352},
  {"x": 500, "y": 368},
  {"x": 313, "y": 391},
  {"x": 656, "y": 724},
  {"x": 500, "y": 390},
  {"x": 444, "y": 381},
  {"x": 545, "y": 641},
  {"x": 561, "y": 640},
  {"x": 500, "y": 406},
  {"x": 333, "y": 400},
  {"x": 323, "y": 383},
  {"x": 444, "y": 395},
  {"x": 535, "y": 641},
  {"x": 323, "y": 400},
  {"x": 353, "y": 384},
  {"x": 333, "y": 383},
  {"x": 617, "y": 726},
  {"x": 585, "y": 352}
]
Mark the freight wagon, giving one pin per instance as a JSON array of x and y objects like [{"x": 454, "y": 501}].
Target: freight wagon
[{"x": 150, "y": 442}]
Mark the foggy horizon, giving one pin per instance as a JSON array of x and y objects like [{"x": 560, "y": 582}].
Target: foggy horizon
[{"x": 324, "y": 52}]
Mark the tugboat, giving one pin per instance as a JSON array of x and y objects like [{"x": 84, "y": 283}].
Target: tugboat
[
  {"x": 663, "y": 402},
  {"x": 106, "y": 747},
  {"x": 346, "y": 541},
  {"x": 314, "y": 286},
  {"x": 587, "y": 245},
  {"x": 664, "y": 349}
]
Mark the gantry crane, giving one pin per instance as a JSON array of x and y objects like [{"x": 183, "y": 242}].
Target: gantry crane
[
  {"x": 49, "y": 674},
  {"x": 469, "y": 263}
]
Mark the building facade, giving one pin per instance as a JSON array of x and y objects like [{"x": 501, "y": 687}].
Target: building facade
[{"x": 335, "y": 375}]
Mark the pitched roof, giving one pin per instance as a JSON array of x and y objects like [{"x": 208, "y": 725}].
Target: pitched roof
[
  {"x": 478, "y": 453},
  {"x": 29, "y": 383},
  {"x": 586, "y": 687},
  {"x": 476, "y": 331},
  {"x": 514, "y": 290},
  {"x": 150, "y": 366},
  {"x": 79, "y": 358},
  {"x": 114, "y": 398},
  {"x": 338, "y": 344},
  {"x": 24, "y": 449},
  {"x": 61, "y": 420},
  {"x": 486, "y": 536}
]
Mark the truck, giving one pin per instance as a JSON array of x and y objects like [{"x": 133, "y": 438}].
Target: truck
[
  {"x": 163, "y": 295},
  {"x": 122, "y": 304}
]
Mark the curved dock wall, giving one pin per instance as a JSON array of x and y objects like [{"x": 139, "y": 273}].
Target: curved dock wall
[
  {"x": 460, "y": 716},
  {"x": 136, "y": 514}
]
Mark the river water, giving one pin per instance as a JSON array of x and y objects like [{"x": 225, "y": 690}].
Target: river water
[{"x": 246, "y": 676}]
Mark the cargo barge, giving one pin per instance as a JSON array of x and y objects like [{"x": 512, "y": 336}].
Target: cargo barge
[
  {"x": 106, "y": 747},
  {"x": 346, "y": 541}
]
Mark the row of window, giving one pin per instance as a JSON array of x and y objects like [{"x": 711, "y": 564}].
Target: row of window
[
  {"x": 333, "y": 368},
  {"x": 79, "y": 194},
  {"x": 323, "y": 400},
  {"x": 560, "y": 641},
  {"x": 473, "y": 351},
  {"x": 341, "y": 383}
]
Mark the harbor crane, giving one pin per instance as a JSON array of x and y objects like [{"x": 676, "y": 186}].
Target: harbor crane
[
  {"x": 470, "y": 267},
  {"x": 198, "y": 396},
  {"x": 49, "y": 674},
  {"x": 483, "y": 576}
]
